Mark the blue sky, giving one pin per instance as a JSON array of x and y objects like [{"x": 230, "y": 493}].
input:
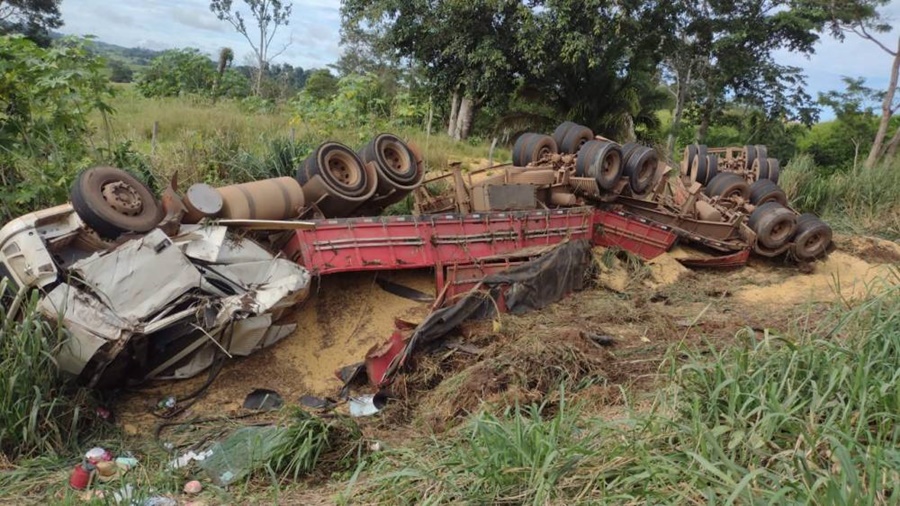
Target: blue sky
[{"x": 314, "y": 33}]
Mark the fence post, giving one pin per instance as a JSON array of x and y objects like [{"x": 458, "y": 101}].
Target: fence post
[{"x": 153, "y": 139}]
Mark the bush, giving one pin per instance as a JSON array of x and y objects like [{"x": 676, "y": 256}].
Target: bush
[
  {"x": 860, "y": 199},
  {"x": 178, "y": 72},
  {"x": 46, "y": 96}
]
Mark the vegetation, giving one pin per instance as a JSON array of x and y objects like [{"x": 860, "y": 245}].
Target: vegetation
[{"x": 803, "y": 417}]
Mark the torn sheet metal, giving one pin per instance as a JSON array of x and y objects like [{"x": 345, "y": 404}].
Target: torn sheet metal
[
  {"x": 89, "y": 325},
  {"x": 139, "y": 278}
]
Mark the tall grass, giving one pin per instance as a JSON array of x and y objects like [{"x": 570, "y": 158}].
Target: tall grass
[
  {"x": 38, "y": 415},
  {"x": 223, "y": 142},
  {"x": 859, "y": 199},
  {"x": 810, "y": 418}
]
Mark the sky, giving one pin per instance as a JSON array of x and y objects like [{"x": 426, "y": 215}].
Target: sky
[{"x": 314, "y": 36}]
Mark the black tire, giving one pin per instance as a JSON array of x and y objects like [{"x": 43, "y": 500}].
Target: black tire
[
  {"x": 749, "y": 156},
  {"x": 764, "y": 190},
  {"x": 699, "y": 173},
  {"x": 641, "y": 168},
  {"x": 727, "y": 185},
  {"x": 519, "y": 149},
  {"x": 774, "y": 224},
  {"x": 135, "y": 208},
  {"x": 627, "y": 149},
  {"x": 560, "y": 133},
  {"x": 712, "y": 167},
  {"x": 774, "y": 169},
  {"x": 339, "y": 166},
  {"x": 601, "y": 160},
  {"x": 538, "y": 147},
  {"x": 761, "y": 167},
  {"x": 575, "y": 137},
  {"x": 393, "y": 157},
  {"x": 690, "y": 153},
  {"x": 762, "y": 152},
  {"x": 812, "y": 238}
]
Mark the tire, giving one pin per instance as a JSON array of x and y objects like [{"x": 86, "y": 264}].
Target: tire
[
  {"x": 727, "y": 185},
  {"x": 538, "y": 147},
  {"x": 641, "y": 169},
  {"x": 761, "y": 168},
  {"x": 690, "y": 153},
  {"x": 764, "y": 190},
  {"x": 774, "y": 169},
  {"x": 339, "y": 166},
  {"x": 113, "y": 202},
  {"x": 519, "y": 149},
  {"x": 774, "y": 224},
  {"x": 393, "y": 157},
  {"x": 560, "y": 133},
  {"x": 749, "y": 156},
  {"x": 575, "y": 137},
  {"x": 812, "y": 238},
  {"x": 602, "y": 161},
  {"x": 699, "y": 173},
  {"x": 762, "y": 152}
]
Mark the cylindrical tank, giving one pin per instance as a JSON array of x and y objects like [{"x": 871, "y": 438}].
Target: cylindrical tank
[
  {"x": 269, "y": 199},
  {"x": 201, "y": 201}
]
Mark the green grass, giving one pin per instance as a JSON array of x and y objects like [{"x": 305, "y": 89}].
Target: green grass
[
  {"x": 38, "y": 414},
  {"x": 224, "y": 142},
  {"x": 857, "y": 200},
  {"x": 774, "y": 419}
]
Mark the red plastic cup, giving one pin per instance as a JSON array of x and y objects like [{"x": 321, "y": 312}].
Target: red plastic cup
[{"x": 80, "y": 478}]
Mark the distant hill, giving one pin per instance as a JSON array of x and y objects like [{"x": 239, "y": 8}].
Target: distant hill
[{"x": 133, "y": 57}]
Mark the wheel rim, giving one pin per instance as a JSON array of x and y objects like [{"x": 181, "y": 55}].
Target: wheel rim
[
  {"x": 340, "y": 167},
  {"x": 814, "y": 243},
  {"x": 123, "y": 198},
  {"x": 646, "y": 171},
  {"x": 780, "y": 231},
  {"x": 393, "y": 158}
]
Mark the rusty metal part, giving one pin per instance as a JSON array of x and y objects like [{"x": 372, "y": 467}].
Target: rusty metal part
[
  {"x": 269, "y": 199},
  {"x": 707, "y": 212},
  {"x": 737, "y": 259},
  {"x": 201, "y": 201},
  {"x": 122, "y": 197}
]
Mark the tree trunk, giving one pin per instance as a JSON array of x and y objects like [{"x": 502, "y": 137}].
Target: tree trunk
[
  {"x": 464, "y": 121},
  {"x": 891, "y": 150},
  {"x": 886, "y": 110},
  {"x": 703, "y": 129},
  {"x": 680, "y": 99},
  {"x": 454, "y": 113}
]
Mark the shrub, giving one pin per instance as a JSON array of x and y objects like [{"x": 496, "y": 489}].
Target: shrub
[{"x": 46, "y": 96}]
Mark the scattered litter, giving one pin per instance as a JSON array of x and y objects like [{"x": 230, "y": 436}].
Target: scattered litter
[
  {"x": 263, "y": 399},
  {"x": 124, "y": 494},
  {"x": 376, "y": 446},
  {"x": 242, "y": 452},
  {"x": 80, "y": 478},
  {"x": 313, "y": 402},
  {"x": 193, "y": 487},
  {"x": 367, "y": 405},
  {"x": 159, "y": 500},
  {"x": 189, "y": 457},
  {"x": 107, "y": 471},
  {"x": 167, "y": 403},
  {"x": 127, "y": 462},
  {"x": 97, "y": 454}
]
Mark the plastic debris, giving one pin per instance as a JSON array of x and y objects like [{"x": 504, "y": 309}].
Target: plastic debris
[
  {"x": 193, "y": 487},
  {"x": 263, "y": 399},
  {"x": 367, "y": 405},
  {"x": 189, "y": 457},
  {"x": 236, "y": 457}
]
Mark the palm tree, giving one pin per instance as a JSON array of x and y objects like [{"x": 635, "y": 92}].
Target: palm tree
[{"x": 226, "y": 57}]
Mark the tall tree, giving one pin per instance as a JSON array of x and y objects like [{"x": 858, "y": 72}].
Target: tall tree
[
  {"x": 469, "y": 51},
  {"x": 861, "y": 18},
  {"x": 265, "y": 17},
  {"x": 33, "y": 18},
  {"x": 722, "y": 50}
]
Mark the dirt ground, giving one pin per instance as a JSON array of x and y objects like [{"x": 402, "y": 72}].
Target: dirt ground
[{"x": 643, "y": 308}]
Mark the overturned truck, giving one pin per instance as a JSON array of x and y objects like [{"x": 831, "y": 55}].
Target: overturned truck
[{"x": 163, "y": 288}]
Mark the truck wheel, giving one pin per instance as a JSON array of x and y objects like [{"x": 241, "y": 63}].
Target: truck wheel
[
  {"x": 812, "y": 237},
  {"x": 727, "y": 185},
  {"x": 559, "y": 135},
  {"x": 640, "y": 169},
  {"x": 764, "y": 190},
  {"x": 773, "y": 223},
  {"x": 602, "y": 161},
  {"x": 774, "y": 169},
  {"x": 575, "y": 137},
  {"x": 749, "y": 156},
  {"x": 112, "y": 202}
]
